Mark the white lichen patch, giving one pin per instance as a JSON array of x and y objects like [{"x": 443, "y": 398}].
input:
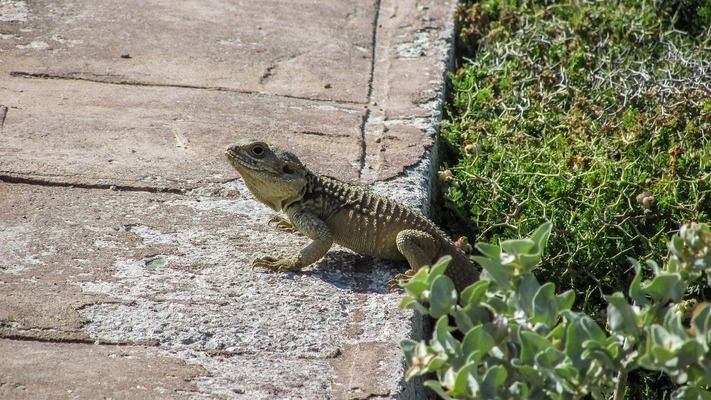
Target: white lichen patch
[
  {"x": 35, "y": 45},
  {"x": 65, "y": 41},
  {"x": 18, "y": 251},
  {"x": 13, "y": 11},
  {"x": 98, "y": 287},
  {"x": 415, "y": 48},
  {"x": 104, "y": 244}
]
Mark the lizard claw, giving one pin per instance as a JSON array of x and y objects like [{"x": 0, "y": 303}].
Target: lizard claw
[
  {"x": 278, "y": 264},
  {"x": 394, "y": 284},
  {"x": 283, "y": 224},
  {"x": 262, "y": 262}
]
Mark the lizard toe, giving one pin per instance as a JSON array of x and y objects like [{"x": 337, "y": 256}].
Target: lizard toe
[
  {"x": 394, "y": 284},
  {"x": 264, "y": 262},
  {"x": 279, "y": 264},
  {"x": 283, "y": 225}
]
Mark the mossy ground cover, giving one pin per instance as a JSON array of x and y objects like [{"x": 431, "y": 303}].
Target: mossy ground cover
[{"x": 593, "y": 115}]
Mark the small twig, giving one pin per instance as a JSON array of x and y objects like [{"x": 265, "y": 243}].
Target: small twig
[{"x": 621, "y": 385}]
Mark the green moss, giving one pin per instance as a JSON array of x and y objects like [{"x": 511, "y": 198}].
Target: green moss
[{"x": 596, "y": 117}]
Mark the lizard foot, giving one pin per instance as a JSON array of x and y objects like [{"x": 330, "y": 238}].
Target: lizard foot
[
  {"x": 394, "y": 284},
  {"x": 279, "y": 264},
  {"x": 283, "y": 225}
]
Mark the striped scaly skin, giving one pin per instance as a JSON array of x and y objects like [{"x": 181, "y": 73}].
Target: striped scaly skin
[{"x": 329, "y": 211}]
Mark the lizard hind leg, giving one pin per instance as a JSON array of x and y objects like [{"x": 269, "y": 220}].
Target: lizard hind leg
[{"x": 419, "y": 249}]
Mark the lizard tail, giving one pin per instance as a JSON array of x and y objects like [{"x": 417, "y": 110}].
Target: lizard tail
[{"x": 462, "y": 270}]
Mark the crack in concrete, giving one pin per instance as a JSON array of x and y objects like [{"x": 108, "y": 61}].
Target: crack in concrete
[
  {"x": 267, "y": 74},
  {"x": 371, "y": 79},
  {"x": 103, "y": 186},
  {"x": 376, "y": 21},
  {"x": 127, "y": 82},
  {"x": 363, "y": 144},
  {"x": 316, "y": 133},
  {"x": 3, "y": 115},
  {"x": 265, "y": 354},
  {"x": 34, "y": 335}
]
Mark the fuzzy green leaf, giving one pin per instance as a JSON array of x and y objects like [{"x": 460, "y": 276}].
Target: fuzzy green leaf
[
  {"x": 532, "y": 344},
  {"x": 415, "y": 287},
  {"x": 545, "y": 306},
  {"x": 464, "y": 377},
  {"x": 665, "y": 287},
  {"x": 519, "y": 389},
  {"x": 439, "y": 268},
  {"x": 518, "y": 246},
  {"x": 659, "y": 344},
  {"x": 408, "y": 347},
  {"x": 489, "y": 250},
  {"x": 581, "y": 328},
  {"x": 442, "y": 297},
  {"x": 412, "y": 303},
  {"x": 436, "y": 387},
  {"x": 477, "y": 339},
  {"x": 494, "y": 378},
  {"x": 461, "y": 318},
  {"x": 595, "y": 350},
  {"x": 565, "y": 300},
  {"x": 701, "y": 322},
  {"x": 496, "y": 271},
  {"x": 442, "y": 339},
  {"x": 549, "y": 357},
  {"x": 474, "y": 293},
  {"x": 533, "y": 257},
  {"x": 528, "y": 287},
  {"x": 691, "y": 393},
  {"x": 620, "y": 315},
  {"x": 635, "y": 290},
  {"x": 540, "y": 236}
]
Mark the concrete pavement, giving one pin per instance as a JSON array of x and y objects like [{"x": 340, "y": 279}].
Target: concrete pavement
[{"x": 125, "y": 237}]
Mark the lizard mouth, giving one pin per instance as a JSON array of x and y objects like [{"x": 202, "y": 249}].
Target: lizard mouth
[
  {"x": 239, "y": 161},
  {"x": 234, "y": 158},
  {"x": 231, "y": 153}
]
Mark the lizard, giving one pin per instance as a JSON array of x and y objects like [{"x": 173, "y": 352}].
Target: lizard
[{"x": 328, "y": 210}]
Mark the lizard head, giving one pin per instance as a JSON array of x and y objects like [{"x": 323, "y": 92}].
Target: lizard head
[{"x": 274, "y": 176}]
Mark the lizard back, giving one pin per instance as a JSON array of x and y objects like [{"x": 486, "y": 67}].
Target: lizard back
[{"x": 364, "y": 221}]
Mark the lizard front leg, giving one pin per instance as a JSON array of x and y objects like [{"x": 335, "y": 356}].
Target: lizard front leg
[{"x": 311, "y": 226}]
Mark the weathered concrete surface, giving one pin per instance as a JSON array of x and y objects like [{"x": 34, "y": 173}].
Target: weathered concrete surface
[
  {"x": 121, "y": 223},
  {"x": 412, "y": 54},
  {"x": 31, "y": 370},
  {"x": 174, "y": 270},
  {"x": 148, "y": 127},
  {"x": 305, "y": 49},
  {"x": 93, "y": 133}
]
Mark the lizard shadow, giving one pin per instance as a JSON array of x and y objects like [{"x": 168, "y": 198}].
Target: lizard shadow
[{"x": 351, "y": 271}]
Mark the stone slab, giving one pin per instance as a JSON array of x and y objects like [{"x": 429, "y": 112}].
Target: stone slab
[
  {"x": 29, "y": 370},
  {"x": 413, "y": 54},
  {"x": 392, "y": 132},
  {"x": 174, "y": 270},
  {"x": 92, "y": 133},
  {"x": 412, "y": 57},
  {"x": 309, "y": 49},
  {"x": 355, "y": 89}
]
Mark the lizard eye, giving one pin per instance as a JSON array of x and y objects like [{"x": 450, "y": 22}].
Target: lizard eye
[
  {"x": 287, "y": 169},
  {"x": 257, "y": 150}
]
